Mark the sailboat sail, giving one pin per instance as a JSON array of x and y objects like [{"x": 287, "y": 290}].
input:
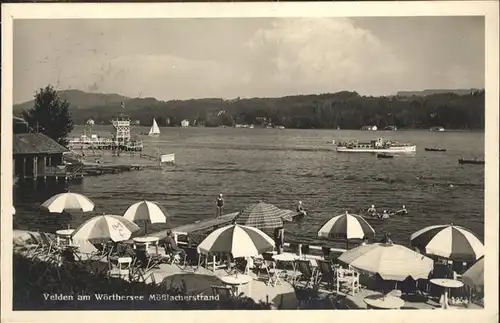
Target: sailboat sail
[{"x": 154, "y": 130}]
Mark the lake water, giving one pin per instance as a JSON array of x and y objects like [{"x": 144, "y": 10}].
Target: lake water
[{"x": 282, "y": 167}]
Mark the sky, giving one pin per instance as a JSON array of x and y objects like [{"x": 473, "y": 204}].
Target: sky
[{"x": 248, "y": 57}]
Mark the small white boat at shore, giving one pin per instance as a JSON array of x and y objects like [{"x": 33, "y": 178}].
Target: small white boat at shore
[{"x": 375, "y": 146}]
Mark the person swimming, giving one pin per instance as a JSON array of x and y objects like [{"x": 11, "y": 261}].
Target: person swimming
[
  {"x": 371, "y": 210},
  {"x": 403, "y": 211},
  {"x": 300, "y": 208},
  {"x": 385, "y": 215}
]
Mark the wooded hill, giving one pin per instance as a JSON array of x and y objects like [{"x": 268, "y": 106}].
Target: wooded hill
[{"x": 347, "y": 110}]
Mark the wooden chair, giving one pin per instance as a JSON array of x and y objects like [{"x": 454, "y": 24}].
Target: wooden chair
[
  {"x": 174, "y": 256},
  {"x": 308, "y": 273},
  {"x": 326, "y": 273},
  {"x": 48, "y": 242},
  {"x": 350, "y": 278},
  {"x": 258, "y": 265},
  {"x": 190, "y": 258},
  {"x": 144, "y": 260},
  {"x": 342, "y": 276},
  {"x": 50, "y": 249},
  {"x": 36, "y": 246},
  {"x": 124, "y": 264}
]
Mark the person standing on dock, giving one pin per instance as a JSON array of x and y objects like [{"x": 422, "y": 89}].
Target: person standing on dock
[
  {"x": 220, "y": 205},
  {"x": 279, "y": 239}
]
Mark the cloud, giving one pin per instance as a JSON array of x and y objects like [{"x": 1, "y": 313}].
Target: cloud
[
  {"x": 324, "y": 55},
  {"x": 163, "y": 76},
  {"x": 194, "y": 58}
]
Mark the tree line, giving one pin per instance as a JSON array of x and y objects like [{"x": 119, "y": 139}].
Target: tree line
[{"x": 345, "y": 110}]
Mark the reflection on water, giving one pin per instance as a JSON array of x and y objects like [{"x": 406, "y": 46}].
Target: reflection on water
[{"x": 282, "y": 167}]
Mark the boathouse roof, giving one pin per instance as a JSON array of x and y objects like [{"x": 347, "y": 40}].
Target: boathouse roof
[{"x": 35, "y": 143}]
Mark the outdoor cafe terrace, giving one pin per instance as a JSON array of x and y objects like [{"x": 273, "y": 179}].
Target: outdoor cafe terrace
[{"x": 238, "y": 259}]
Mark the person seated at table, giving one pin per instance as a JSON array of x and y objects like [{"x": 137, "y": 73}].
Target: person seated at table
[{"x": 171, "y": 247}]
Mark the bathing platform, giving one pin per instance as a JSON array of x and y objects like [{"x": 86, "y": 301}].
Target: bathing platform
[
  {"x": 202, "y": 225},
  {"x": 214, "y": 223}
]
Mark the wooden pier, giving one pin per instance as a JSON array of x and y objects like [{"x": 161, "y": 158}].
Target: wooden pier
[
  {"x": 161, "y": 159},
  {"x": 215, "y": 223},
  {"x": 202, "y": 225},
  {"x": 96, "y": 169}
]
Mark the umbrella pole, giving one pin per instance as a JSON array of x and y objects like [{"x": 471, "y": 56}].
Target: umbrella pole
[{"x": 145, "y": 227}]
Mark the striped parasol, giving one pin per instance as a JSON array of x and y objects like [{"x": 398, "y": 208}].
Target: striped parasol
[
  {"x": 146, "y": 211},
  {"x": 262, "y": 216},
  {"x": 238, "y": 240},
  {"x": 346, "y": 226},
  {"x": 104, "y": 228},
  {"x": 68, "y": 202},
  {"x": 390, "y": 261},
  {"x": 448, "y": 241},
  {"x": 474, "y": 276}
]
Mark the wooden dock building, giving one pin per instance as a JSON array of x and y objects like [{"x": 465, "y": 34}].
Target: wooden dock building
[{"x": 36, "y": 156}]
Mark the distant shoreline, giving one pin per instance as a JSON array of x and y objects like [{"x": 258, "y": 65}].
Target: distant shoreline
[{"x": 263, "y": 128}]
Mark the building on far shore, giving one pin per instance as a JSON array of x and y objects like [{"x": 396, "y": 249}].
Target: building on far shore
[
  {"x": 35, "y": 156},
  {"x": 185, "y": 123}
]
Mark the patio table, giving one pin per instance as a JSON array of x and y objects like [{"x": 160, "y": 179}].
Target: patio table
[
  {"x": 384, "y": 302},
  {"x": 147, "y": 241},
  {"x": 286, "y": 258},
  {"x": 64, "y": 234},
  {"x": 446, "y": 283},
  {"x": 236, "y": 281}
]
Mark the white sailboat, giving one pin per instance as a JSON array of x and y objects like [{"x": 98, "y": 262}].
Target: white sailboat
[{"x": 154, "y": 131}]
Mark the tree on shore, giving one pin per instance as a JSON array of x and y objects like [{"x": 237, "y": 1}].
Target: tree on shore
[{"x": 50, "y": 115}]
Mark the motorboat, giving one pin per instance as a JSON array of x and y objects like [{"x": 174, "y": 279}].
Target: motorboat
[
  {"x": 375, "y": 146},
  {"x": 471, "y": 161},
  {"x": 435, "y": 149}
]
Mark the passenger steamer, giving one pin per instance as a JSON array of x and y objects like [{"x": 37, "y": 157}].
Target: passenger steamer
[{"x": 375, "y": 146}]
